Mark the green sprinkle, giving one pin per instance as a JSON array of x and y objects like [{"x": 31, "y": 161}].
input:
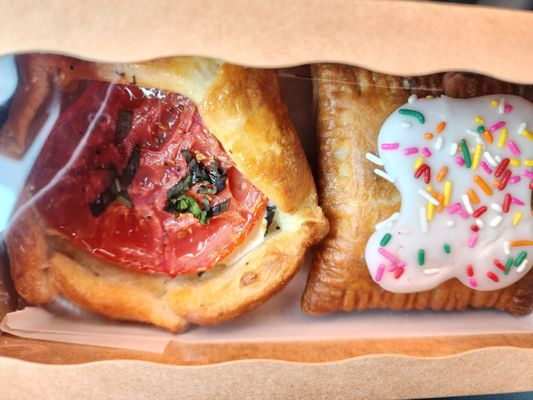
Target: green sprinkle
[
  {"x": 518, "y": 260},
  {"x": 421, "y": 257},
  {"x": 385, "y": 239},
  {"x": 447, "y": 248},
  {"x": 466, "y": 154},
  {"x": 413, "y": 113},
  {"x": 508, "y": 265},
  {"x": 480, "y": 129}
]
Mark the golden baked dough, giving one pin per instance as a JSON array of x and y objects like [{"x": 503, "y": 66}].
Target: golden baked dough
[
  {"x": 351, "y": 105},
  {"x": 244, "y": 110}
]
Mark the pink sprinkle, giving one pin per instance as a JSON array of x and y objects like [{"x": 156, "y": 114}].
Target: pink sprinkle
[
  {"x": 528, "y": 174},
  {"x": 392, "y": 268},
  {"x": 514, "y": 179},
  {"x": 473, "y": 239},
  {"x": 426, "y": 152},
  {"x": 508, "y": 108},
  {"x": 454, "y": 208},
  {"x": 473, "y": 282},
  {"x": 410, "y": 150},
  {"x": 379, "y": 273},
  {"x": 395, "y": 260},
  {"x": 513, "y": 147},
  {"x": 519, "y": 202},
  {"x": 485, "y": 167},
  {"x": 464, "y": 214},
  {"x": 497, "y": 125},
  {"x": 390, "y": 146},
  {"x": 460, "y": 161}
]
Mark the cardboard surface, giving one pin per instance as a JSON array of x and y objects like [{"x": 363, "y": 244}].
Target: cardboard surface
[{"x": 387, "y": 36}]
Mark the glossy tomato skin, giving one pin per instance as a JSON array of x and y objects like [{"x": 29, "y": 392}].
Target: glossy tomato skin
[{"x": 143, "y": 237}]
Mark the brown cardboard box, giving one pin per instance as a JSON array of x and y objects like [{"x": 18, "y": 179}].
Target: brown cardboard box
[{"x": 389, "y": 36}]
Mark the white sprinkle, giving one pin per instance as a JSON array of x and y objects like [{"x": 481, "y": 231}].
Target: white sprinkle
[
  {"x": 423, "y": 220},
  {"x": 405, "y": 124},
  {"x": 496, "y": 207},
  {"x": 404, "y": 231},
  {"x": 412, "y": 98},
  {"x": 431, "y": 271},
  {"x": 498, "y": 159},
  {"x": 507, "y": 247},
  {"x": 489, "y": 159},
  {"x": 478, "y": 140},
  {"x": 522, "y": 127},
  {"x": 468, "y": 205},
  {"x": 388, "y": 222},
  {"x": 428, "y": 197},
  {"x": 375, "y": 159},
  {"x": 496, "y": 221},
  {"x": 501, "y": 106},
  {"x": 522, "y": 266},
  {"x": 453, "y": 149},
  {"x": 450, "y": 223},
  {"x": 472, "y": 133},
  {"x": 480, "y": 223},
  {"x": 438, "y": 143},
  {"x": 383, "y": 174}
]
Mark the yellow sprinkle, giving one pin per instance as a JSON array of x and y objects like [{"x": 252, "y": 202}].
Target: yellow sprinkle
[
  {"x": 514, "y": 162},
  {"x": 479, "y": 120},
  {"x": 419, "y": 161},
  {"x": 517, "y": 218},
  {"x": 494, "y": 103},
  {"x": 430, "y": 96},
  {"x": 430, "y": 211},
  {"x": 447, "y": 192},
  {"x": 503, "y": 137},
  {"x": 527, "y": 134},
  {"x": 429, "y": 188},
  {"x": 528, "y": 163},
  {"x": 477, "y": 156}
]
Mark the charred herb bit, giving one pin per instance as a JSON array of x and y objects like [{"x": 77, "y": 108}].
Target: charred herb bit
[
  {"x": 131, "y": 167},
  {"x": 206, "y": 189},
  {"x": 180, "y": 188},
  {"x": 219, "y": 208},
  {"x": 270, "y": 211},
  {"x": 118, "y": 189},
  {"x": 123, "y": 126},
  {"x": 217, "y": 176}
]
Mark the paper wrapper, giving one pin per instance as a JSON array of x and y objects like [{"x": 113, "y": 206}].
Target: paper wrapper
[{"x": 373, "y": 354}]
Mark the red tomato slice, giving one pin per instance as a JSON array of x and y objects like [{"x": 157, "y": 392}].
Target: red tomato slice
[{"x": 143, "y": 237}]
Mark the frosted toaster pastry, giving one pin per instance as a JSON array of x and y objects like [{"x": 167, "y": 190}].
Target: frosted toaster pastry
[{"x": 428, "y": 193}]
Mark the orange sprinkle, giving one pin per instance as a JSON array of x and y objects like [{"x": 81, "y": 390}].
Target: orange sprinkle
[
  {"x": 496, "y": 184},
  {"x": 440, "y": 198},
  {"x": 440, "y": 127},
  {"x": 483, "y": 185},
  {"x": 518, "y": 243},
  {"x": 428, "y": 136},
  {"x": 472, "y": 196},
  {"x": 442, "y": 173},
  {"x": 488, "y": 137}
]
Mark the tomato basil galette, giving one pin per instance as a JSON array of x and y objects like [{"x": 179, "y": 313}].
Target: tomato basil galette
[{"x": 168, "y": 192}]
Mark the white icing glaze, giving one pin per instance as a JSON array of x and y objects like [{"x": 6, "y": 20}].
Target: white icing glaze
[{"x": 479, "y": 249}]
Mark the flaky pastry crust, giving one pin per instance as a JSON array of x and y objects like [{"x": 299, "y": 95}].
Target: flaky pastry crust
[
  {"x": 351, "y": 104},
  {"x": 244, "y": 109}
]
